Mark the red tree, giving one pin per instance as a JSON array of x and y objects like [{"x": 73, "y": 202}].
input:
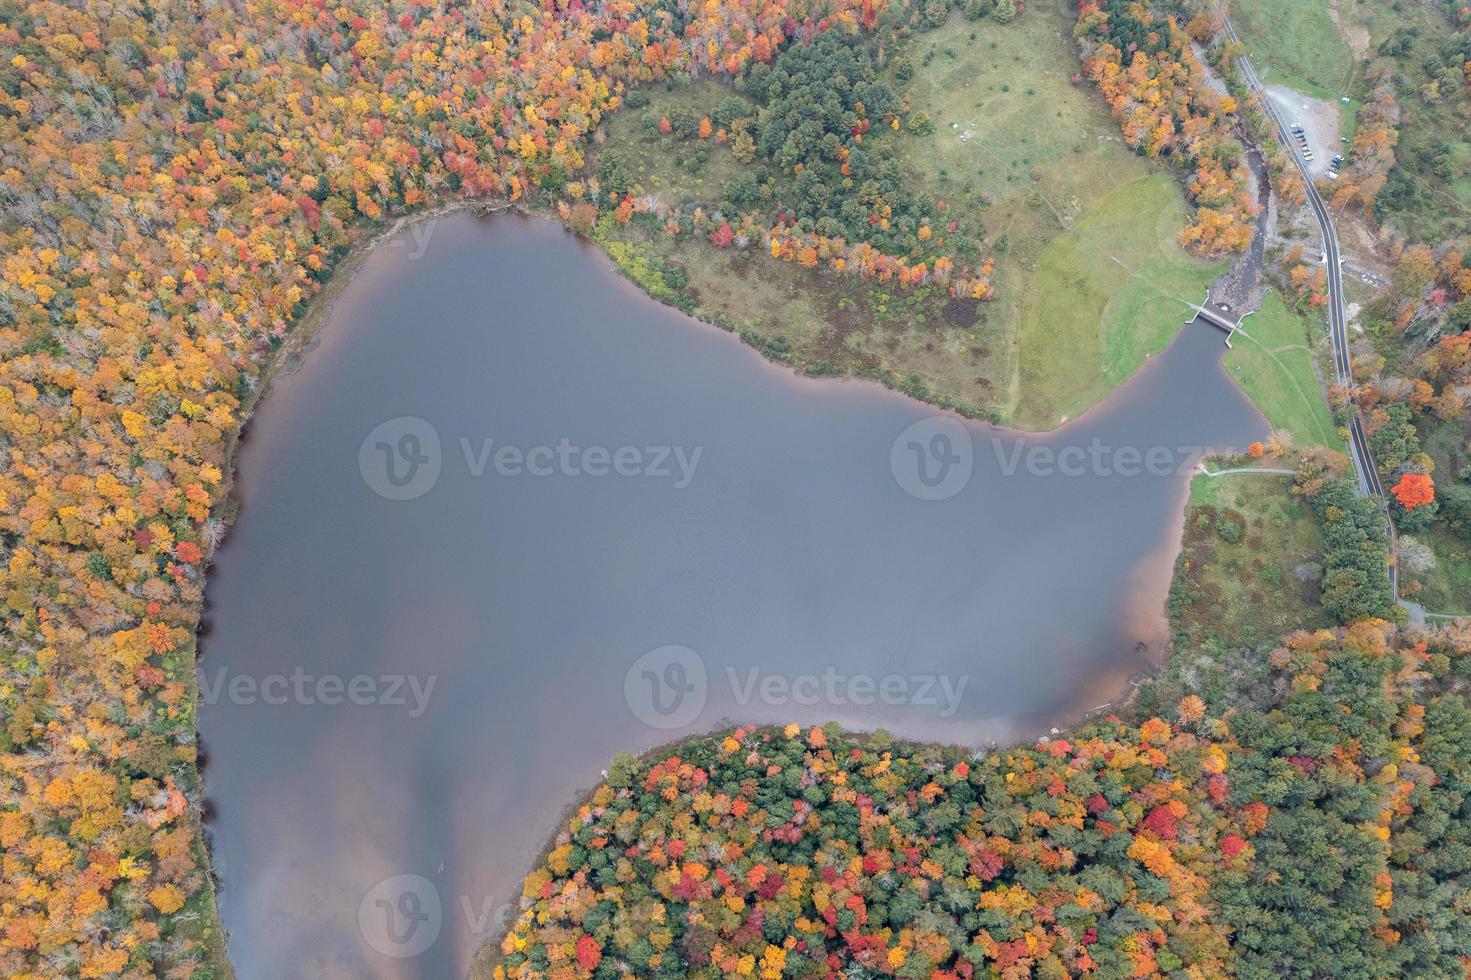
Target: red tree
[
  {"x": 589, "y": 953},
  {"x": 1414, "y": 490}
]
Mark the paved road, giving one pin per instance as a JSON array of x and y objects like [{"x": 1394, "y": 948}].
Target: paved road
[{"x": 1363, "y": 460}]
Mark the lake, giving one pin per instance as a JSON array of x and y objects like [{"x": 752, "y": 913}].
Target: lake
[{"x": 511, "y": 517}]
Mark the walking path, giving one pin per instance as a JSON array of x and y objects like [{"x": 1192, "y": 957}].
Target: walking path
[{"x": 1247, "y": 469}]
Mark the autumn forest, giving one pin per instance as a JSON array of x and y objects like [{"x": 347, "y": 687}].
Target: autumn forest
[{"x": 179, "y": 182}]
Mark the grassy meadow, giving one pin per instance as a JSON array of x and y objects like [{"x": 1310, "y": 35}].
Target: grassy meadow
[
  {"x": 1271, "y": 358},
  {"x": 1297, "y": 44},
  {"x": 1104, "y": 295},
  {"x": 1085, "y": 290},
  {"x": 1249, "y": 565}
]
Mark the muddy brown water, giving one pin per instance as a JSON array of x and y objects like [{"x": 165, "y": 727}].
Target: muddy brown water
[{"x": 403, "y": 695}]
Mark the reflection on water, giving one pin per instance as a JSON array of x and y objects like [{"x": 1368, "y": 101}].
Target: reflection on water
[{"x": 504, "y": 477}]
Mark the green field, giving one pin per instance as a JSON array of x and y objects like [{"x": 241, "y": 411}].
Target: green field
[
  {"x": 1296, "y": 43},
  {"x": 670, "y": 170},
  {"x": 1103, "y": 296},
  {"x": 1271, "y": 360},
  {"x": 1249, "y": 563},
  {"x": 1086, "y": 290}
]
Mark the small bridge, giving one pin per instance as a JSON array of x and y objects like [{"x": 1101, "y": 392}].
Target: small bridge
[{"x": 1220, "y": 317}]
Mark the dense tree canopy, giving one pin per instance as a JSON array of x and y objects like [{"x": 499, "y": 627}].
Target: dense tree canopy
[
  {"x": 176, "y": 180},
  {"x": 1158, "y": 89},
  {"x": 1315, "y": 827}
]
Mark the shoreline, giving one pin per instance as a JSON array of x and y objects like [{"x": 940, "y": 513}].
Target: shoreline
[
  {"x": 305, "y": 332},
  {"x": 301, "y": 336}
]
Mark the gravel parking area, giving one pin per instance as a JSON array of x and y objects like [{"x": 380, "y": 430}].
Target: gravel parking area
[{"x": 1319, "y": 119}]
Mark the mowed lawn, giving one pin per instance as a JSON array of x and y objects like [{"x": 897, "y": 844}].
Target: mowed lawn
[
  {"x": 1271, "y": 360},
  {"x": 1104, "y": 296},
  {"x": 1296, "y": 43},
  {"x": 1039, "y": 157}
]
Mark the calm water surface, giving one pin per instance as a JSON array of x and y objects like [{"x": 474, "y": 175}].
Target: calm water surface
[{"x": 420, "y": 686}]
